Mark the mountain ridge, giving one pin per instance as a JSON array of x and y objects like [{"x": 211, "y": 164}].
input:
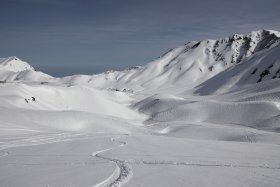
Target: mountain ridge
[{"x": 188, "y": 65}]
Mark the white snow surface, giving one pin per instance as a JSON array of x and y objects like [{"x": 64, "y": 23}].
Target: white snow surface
[{"x": 204, "y": 114}]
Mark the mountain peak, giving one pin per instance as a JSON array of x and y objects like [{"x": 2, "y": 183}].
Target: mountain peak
[
  {"x": 14, "y": 64},
  {"x": 257, "y": 40},
  {"x": 266, "y": 32}
]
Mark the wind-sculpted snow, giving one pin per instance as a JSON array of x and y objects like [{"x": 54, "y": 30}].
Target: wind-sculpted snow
[{"x": 211, "y": 110}]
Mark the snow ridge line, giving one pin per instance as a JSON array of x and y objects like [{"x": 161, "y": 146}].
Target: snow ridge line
[{"x": 123, "y": 171}]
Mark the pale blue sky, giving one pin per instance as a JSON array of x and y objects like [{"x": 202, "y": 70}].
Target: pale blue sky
[{"x": 63, "y": 37}]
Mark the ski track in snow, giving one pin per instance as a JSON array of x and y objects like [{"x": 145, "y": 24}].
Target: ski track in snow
[
  {"x": 121, "y": 174},
  {"x": 37, "y": 140},
  {"x": 123, "y": 171},
  {"x": 201, "y": 164}
]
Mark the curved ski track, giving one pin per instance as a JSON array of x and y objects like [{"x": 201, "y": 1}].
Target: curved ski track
[{"x": 123, "y": 171}]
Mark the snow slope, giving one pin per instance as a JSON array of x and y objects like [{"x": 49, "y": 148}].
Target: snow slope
[
  {"x": 260, "y": 67},
  {"x": 81, "y": 108}
]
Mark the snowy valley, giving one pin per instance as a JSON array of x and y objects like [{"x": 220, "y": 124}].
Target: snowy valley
[{"x": 206, "y": 113}]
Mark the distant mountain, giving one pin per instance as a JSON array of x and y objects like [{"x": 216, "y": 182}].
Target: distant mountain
[
  {"x": 14, "y": 69},
  {"x": 14, "y": 64},
  {"x": 189, "y": 65},
  {"x": 196, "y": 62}
]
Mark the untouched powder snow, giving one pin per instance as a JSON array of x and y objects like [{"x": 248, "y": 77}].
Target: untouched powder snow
[{"x": 204, "y": 114}]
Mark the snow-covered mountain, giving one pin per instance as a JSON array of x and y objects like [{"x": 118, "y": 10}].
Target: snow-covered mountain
[
  {"x": 14, "y": 64},
  {"x": 167, "y": 88},
  {"x": 202, "y": 111},
  {"x": 14, "y": 69},
  {"x": 188, "y": 65},
  {"x": 263, "y": 66},
  {"x": 192, "y": 63}
]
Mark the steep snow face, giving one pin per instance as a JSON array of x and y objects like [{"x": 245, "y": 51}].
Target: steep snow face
[
  {"x": 259, "y": 68},
  {"x": 14, "y": 64},
  {"x": 190, "y": 64}
]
